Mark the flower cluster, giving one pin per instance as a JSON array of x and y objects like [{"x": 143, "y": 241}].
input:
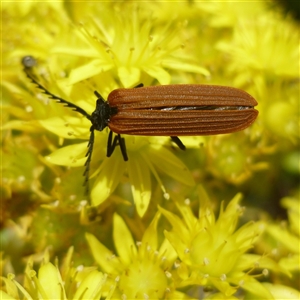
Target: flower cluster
[
  {"x": 53, "y": 283},
  {"x": 146, "y": 230}
]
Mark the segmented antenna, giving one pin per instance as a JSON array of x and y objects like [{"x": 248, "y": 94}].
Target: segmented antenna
[
  {"x": 29, "y": 62},
  {"x": 88, "y": 155},
  {"x": 87, "y": 164}
]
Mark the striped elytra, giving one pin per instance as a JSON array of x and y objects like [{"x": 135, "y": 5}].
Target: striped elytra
[{"x": 181, "y": 110}]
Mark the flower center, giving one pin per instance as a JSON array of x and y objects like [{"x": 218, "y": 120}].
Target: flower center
[{"x": 143, "y": 279}]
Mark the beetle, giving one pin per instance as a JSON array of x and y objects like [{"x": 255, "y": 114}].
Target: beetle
[{"x": 166, "y": 110}]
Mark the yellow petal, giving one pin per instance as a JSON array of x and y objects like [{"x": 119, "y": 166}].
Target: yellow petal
[
  {"x": 88, "y": 70},
  {"x": 91, "y": 287},
  {"x": 129, "y": 76},
  {"x": 104, "y": 257},
  {"x": 256, "y": 288},
  {"x": 4, "y": 296},
  {"x": 150, "y": 234},
  {"x": 72, "y": 156},
  {"x": 289, "y": 240},
  {"x": 67, "y": 127},
  {"x": 140, "y": 181},
  {"x": 170, "y": 164},
  {"x": 186, "y": 67},
  {"x": 10, "y": 287},
  {"x": 282, "y": 292},
  {"x": 123, "y": 240},
  {"x": 290, "y": 263},
  {"x": 162, "y": 76},
  {"x": 51, "y": 282},
  {"x": 109, "y": 176}
]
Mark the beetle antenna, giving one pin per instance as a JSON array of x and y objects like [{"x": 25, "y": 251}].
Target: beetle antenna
[
  {"x": 29, "y": 62},
  {"x": 86, "y": 173}
]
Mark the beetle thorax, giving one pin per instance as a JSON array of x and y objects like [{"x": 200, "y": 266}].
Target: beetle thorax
[{"x": 101, "y": 115}]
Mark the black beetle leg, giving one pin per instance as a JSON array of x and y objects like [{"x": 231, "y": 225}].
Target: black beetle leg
[
  {"x": 113, "y": 143},
  {"x": 123, "y": 147},
  {"x": 178, "y": 142}
]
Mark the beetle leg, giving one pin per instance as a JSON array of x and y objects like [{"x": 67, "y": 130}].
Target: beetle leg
[
  {"x": 113, "y": 143},
  {"x": 178, "y": 142},
  {"x": 123, "y": 147},
  {"x": 139, "y": 85}
]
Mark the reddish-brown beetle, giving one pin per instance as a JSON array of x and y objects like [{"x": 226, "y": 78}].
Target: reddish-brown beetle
[{"x": 167, "y": 110}]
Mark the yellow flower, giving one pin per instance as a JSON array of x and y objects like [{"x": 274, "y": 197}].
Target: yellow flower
[
  {"x": 20, "y": 167},
  {"x": 280, "y": 114},
  {"x": 135, "y": 48},
  {"x": 278, "y": 292},
  {"x": 142, "y": 269},
  {"x": 103, "y": 55},
  {"x": 228, "y": 14},
  {"x": 270, "y": 64},
  {"x": 234, "y": 162},
  {"x": 292, "y": 205},
  {"x": 213, "y": 251},
  {"x": 259, "y": 57},
  {"x": 52, "y": 283},
  {"x": 144, "y": 160},
  {"x": 81, "y": 47},
  {"x": 286, "y": 238}
]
